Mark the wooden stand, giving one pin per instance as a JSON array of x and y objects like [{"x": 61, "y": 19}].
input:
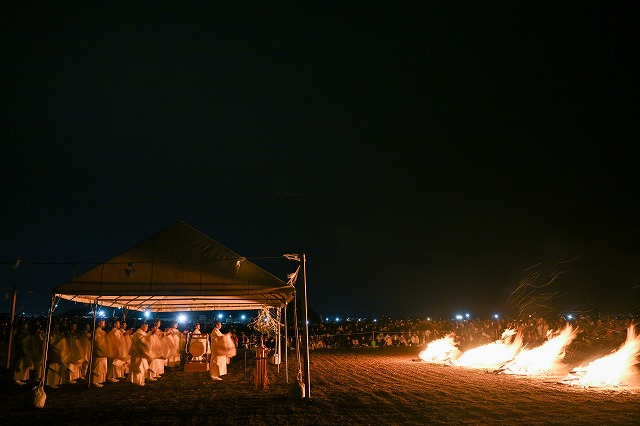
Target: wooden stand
[{"x": 261, "y": 379}]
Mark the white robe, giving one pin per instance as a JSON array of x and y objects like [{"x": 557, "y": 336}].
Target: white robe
[
  {"x": 218, "y": 364},
  {"x": 100, "y": 353},
  {"x": 140, "y": 353},
  {"x": 118, "y": 356},
  {"x": 59, "y": 357}
]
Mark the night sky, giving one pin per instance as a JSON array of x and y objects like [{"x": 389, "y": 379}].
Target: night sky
[{"x": 426, "y": 157}]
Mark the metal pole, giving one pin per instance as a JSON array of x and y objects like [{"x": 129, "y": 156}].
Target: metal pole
[
  {"x": 286, "y": 344},
  {"x": 46, "y": 344},
  {"x": 306, "y": 329},
  {"x": 93, "y": 339},
  {"x": 13, "y": 317},
  {"x": 279, "y": 337}
]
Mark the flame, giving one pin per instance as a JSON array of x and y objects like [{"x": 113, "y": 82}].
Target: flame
[
  {"x": 544, "y": 358},
  {"x": 612, "y": 369},
  {"x": 492, "y": 355},
  {"x": 441, "y": 350}
]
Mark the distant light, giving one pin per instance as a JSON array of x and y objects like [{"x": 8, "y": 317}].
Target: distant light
[
  {"x": 101, "y": 313},
  {"x": 428, "y": 319},
  {"x": 337, "y": 319},
  {"x": 147, "y": 314},
  {"x": 458, "y": 317},
  {"x": 496, "y": 316},
  {"x": 265, "y": 320},
  {"x": 466, "y": 315},
  {"x": 242, "y": 317},
  {"x": 327, "y": 319},
  {"x": 220, "y": 316},
  {"x": 182, "y": 318},
  {"x": 570, "y": 316},
  {"x": 375, "y": 320}
]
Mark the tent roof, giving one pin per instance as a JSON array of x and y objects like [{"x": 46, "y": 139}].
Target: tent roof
[{"x": 178, "y": 269}]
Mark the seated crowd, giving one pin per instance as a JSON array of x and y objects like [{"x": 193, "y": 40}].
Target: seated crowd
[{"x": 388, "y": 332}]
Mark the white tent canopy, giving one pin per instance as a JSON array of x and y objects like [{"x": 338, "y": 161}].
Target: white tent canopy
[{"x": 178, "y": 269}]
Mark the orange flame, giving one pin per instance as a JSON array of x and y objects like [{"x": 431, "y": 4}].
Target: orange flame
[
  {"x": 612, "y": 369},
  {"x": 544, "y": 358},
  {"x": 492, "y": 355},
  {"x": 441, "y": 350}
]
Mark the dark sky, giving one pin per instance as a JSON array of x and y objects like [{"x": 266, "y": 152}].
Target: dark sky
[{"x": 423, "y": 156}]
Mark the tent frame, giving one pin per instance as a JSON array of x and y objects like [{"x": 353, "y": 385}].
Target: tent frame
[{"x": 181, "y": 269}]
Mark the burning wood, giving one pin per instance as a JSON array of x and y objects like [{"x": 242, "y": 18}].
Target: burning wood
[{"x": 611, "y": 370}]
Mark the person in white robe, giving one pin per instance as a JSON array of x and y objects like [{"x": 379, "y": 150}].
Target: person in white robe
[
  {"x": 173, "y": 344},
  {"x": 74, "y": 343},
  {"x": 118, "y": 353},
  {"x": 140, "y": 353},
  {"x": 85, "y": 337},
  {"x": 23, "y": 354},
  {"x": 159, "y": 352},
  {"x": 126, "y": 339},
  {"x": 100, "y": 353},
  {"x": 58, "y": 358},
  {"x": 222, "y": 348}
]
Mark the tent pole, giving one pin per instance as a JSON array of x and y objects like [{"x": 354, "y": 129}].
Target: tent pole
[
  {"x": 279, "y": 344},
  {"x": 306, "y": 329},
  {"x": 276, "y": 351},
  {"x": 13, "y": 317},
  {"x": 286, "y": 344},
  {"x": 46, "y": 340},
  {"x": 94, "y": 308}
]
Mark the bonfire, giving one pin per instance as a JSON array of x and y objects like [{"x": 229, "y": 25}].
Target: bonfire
[
  {"x": 611, "y": 370},
  {"x": 441, "y": 350},
  {"x": 542, "y": 359},
  {"x": 492, "y": 355}
]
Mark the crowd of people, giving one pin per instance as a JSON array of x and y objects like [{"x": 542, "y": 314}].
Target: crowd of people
[
  {"x": 115, "y": 352},
  {"x": 388, "y": 332}
]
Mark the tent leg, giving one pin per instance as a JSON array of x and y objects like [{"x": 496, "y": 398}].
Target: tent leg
[
  {"x": 306, "y": 329},
  {"x": 89, "y": 376},
  {"x": 13, "y": 318},
  {"x": 279, "y": 337},
  {"x": 286, "y": 344},
  {"x": 46, "y": 341}
]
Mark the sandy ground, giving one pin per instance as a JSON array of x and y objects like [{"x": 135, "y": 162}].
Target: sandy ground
[{"x": 359, "y": 387}]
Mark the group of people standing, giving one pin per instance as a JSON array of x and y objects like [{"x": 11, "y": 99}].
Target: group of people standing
[{"x": 110, "y": 355}]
